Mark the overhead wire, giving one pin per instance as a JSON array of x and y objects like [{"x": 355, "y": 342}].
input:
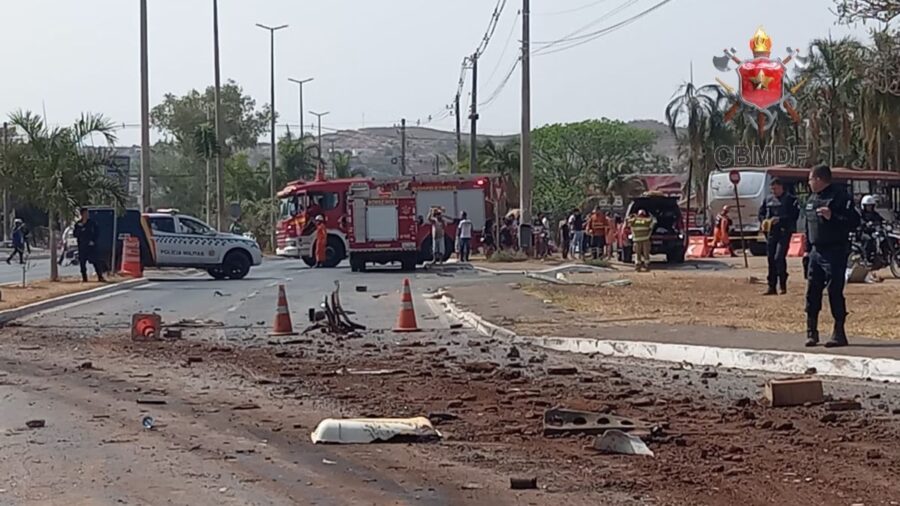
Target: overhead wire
[
  {"x": 512, "y": 32},
  {"x": 569, "y": 11},
  {"x": 590, "y": 37},
  {"x": 574, "y": 34}
]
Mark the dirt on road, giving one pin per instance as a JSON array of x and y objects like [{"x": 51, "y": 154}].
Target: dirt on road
[{"x": 235, "y": 422}]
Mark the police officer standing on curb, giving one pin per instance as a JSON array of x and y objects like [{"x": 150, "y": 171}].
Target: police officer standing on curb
[
  {"x": 86, "y": 233},
  {"x": 830, "y": 217},
  {"x": 778, "y": 215}
]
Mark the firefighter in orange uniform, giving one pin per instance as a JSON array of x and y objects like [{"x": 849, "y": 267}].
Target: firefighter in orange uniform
[
  {"x": 721, "y": 237},
  {"x": 598, "y": 225},
  {"x": 321, "y": 241}
]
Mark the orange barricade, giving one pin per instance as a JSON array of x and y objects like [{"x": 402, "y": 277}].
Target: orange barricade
[
  {"x": 698, "y": 246},
  {"x": 797, "y": 247},
  {"x": 131, "y": 258}
]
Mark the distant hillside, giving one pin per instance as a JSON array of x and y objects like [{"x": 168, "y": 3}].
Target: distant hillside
[{"x": 377, "y": 150}]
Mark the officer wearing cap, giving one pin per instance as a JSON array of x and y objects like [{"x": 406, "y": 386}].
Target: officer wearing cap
[{"x": 830, "y": 217}]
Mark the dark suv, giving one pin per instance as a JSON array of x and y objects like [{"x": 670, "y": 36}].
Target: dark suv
[{"x": 668, "y": 235}]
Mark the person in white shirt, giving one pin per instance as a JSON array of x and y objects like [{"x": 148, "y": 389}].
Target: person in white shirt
[{"x": 464, "y": 233}]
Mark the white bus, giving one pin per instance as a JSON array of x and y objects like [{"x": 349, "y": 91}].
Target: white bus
[{"x": 754, "y": 187}]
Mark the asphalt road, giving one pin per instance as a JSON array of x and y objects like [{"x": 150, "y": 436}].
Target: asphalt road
[
  {"x": 35, "y": 269},
  {"x": 244, "y": 310}
]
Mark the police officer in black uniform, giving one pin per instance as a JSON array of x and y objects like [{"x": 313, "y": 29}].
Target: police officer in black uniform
[
  {"x": 830, "y": 217},
  {"x": 87, "y": 233},
  {"x": 780, "y": 212}
]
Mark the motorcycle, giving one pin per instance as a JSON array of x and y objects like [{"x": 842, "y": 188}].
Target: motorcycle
[{"x": 876, "y": 247}]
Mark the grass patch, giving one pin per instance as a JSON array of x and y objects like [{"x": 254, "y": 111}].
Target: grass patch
[
  {"x": 507, "y": 257},
  {"x": 14, "y": 296}
]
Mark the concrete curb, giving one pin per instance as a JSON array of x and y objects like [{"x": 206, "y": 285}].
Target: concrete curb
[
  {"x": 36, "y": 307},
  {"x": 774, "y": 361}
]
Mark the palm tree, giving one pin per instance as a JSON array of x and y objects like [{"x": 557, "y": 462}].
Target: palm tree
[
  {"x": 831, "y": 95},
  {"x": 695, "y": 108},
  {"x": 206, "y": 146},
  {"x": 503, "y": 160},
  {"x": 61, "y": 171},
  {"x": 299, "y": 157}
]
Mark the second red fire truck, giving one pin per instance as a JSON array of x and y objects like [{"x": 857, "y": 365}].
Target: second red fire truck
[{"x": 382, "y": 205}]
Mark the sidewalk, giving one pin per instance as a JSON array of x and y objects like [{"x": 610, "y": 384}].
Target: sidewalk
[{"x": 507, "y": 305}]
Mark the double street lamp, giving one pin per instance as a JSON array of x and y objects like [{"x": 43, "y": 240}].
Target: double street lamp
[
  {"x": 273, "y": 153},
  {"x": 300, "y": 84},
  {"x": 319, "y": 116}
]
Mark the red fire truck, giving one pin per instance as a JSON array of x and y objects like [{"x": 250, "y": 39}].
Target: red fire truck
[
  {"x": 383, "y": 226},
  {"x": 302, "y": 201}
]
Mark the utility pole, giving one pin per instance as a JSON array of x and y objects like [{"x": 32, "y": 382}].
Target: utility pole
[
  {"x": 331, "y": 157},
  {"x": 274, "y": 148},
  {"x": 525, "y": 192},
  {"x": 4, "y": 223},
  {"x": 473, "y": 155},
  {"x": 403, "y": 147},
  {"x": 220, "y": 130},
  {"x": 145, "y": 112},
  {"x": 300, "y": 84},
  {"x": 319, "y": 116},
  {"x": 458, "y": 131}
]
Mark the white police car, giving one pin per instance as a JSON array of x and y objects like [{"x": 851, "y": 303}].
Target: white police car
[{"x": 185, "y": 241}]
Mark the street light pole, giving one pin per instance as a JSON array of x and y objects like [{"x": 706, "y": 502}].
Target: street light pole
[
  {"x": 273, "y": 153},
  {"x": 300, "y": 84},
  {"x": 145, "y": 112},
  {"x": 525, "y": 192},
  {"x": 220, "y": 128},
  {"x": 319, "y": 115}
]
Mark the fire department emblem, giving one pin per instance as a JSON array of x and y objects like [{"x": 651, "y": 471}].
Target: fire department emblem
[{"x": 763, "y": 87}]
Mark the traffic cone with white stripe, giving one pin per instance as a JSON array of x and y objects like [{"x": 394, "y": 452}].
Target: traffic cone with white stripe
[
  {"x": 406, "y": 321},
  {"x": 283, "y": 325}
]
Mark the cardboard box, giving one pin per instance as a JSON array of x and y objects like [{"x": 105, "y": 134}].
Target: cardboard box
[{"x": 794, "y": 392}]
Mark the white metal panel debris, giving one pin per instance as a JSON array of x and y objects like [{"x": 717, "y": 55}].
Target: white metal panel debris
[{"x": 372, "y": 430}]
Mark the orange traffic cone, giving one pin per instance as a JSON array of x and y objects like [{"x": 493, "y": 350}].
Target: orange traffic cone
[
  {"x": 145, "y": 326},
  {"x": 131, "y": 258},
  {"x": 283, "y": 325},
  {"x": 406, "y": 321}
]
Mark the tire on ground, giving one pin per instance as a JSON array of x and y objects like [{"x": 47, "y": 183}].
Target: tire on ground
[
  {"x": 236, "y": 264},
  {"x": 334, "y": 251},
  {"x": 217, "y": 273}
]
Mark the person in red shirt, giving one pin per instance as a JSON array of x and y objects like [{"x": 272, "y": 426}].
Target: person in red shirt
[{"x": 721, "y": 238}]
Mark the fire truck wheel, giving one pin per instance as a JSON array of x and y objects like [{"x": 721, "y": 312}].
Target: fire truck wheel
[
  {"x": 309, "y": 261},
  {"x": 408, "y": 263},
  {"x": 334, "y": 252}
]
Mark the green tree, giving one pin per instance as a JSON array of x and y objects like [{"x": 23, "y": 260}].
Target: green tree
[
  {"x": 573, "y": 161},
  {"x": 60, "y": 171},
  {"x": 178, "y": 117},
  {"x": 298, "y": 156}
]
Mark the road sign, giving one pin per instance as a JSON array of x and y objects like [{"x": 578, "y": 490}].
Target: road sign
[
  {"x": 735, "y": 177},
  {"x": 118, "y": 170}
]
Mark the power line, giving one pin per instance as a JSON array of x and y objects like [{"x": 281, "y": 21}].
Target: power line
[
  {"x": 584, "y": 39},
  {"x": 502, "y": 85},
  {"x": 569, "y": 11},
  {"x": 509, "y": 38},
  {"x": 492, "y": 27},
  {"x": 604, "y": 17}
]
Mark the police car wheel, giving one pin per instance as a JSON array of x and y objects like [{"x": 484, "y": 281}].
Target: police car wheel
[
  {"x": 236, "y": 265},
  {"x": 217, "y": 273}
]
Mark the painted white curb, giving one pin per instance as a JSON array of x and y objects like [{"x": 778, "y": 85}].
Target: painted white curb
[
  {"x": 551, "y": 270},
  {"x": 782, "y": 362},
  {"x": 36, "y": 307}
]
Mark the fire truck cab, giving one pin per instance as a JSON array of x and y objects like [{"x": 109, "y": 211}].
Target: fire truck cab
[{"x": 302, "y": 201}]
